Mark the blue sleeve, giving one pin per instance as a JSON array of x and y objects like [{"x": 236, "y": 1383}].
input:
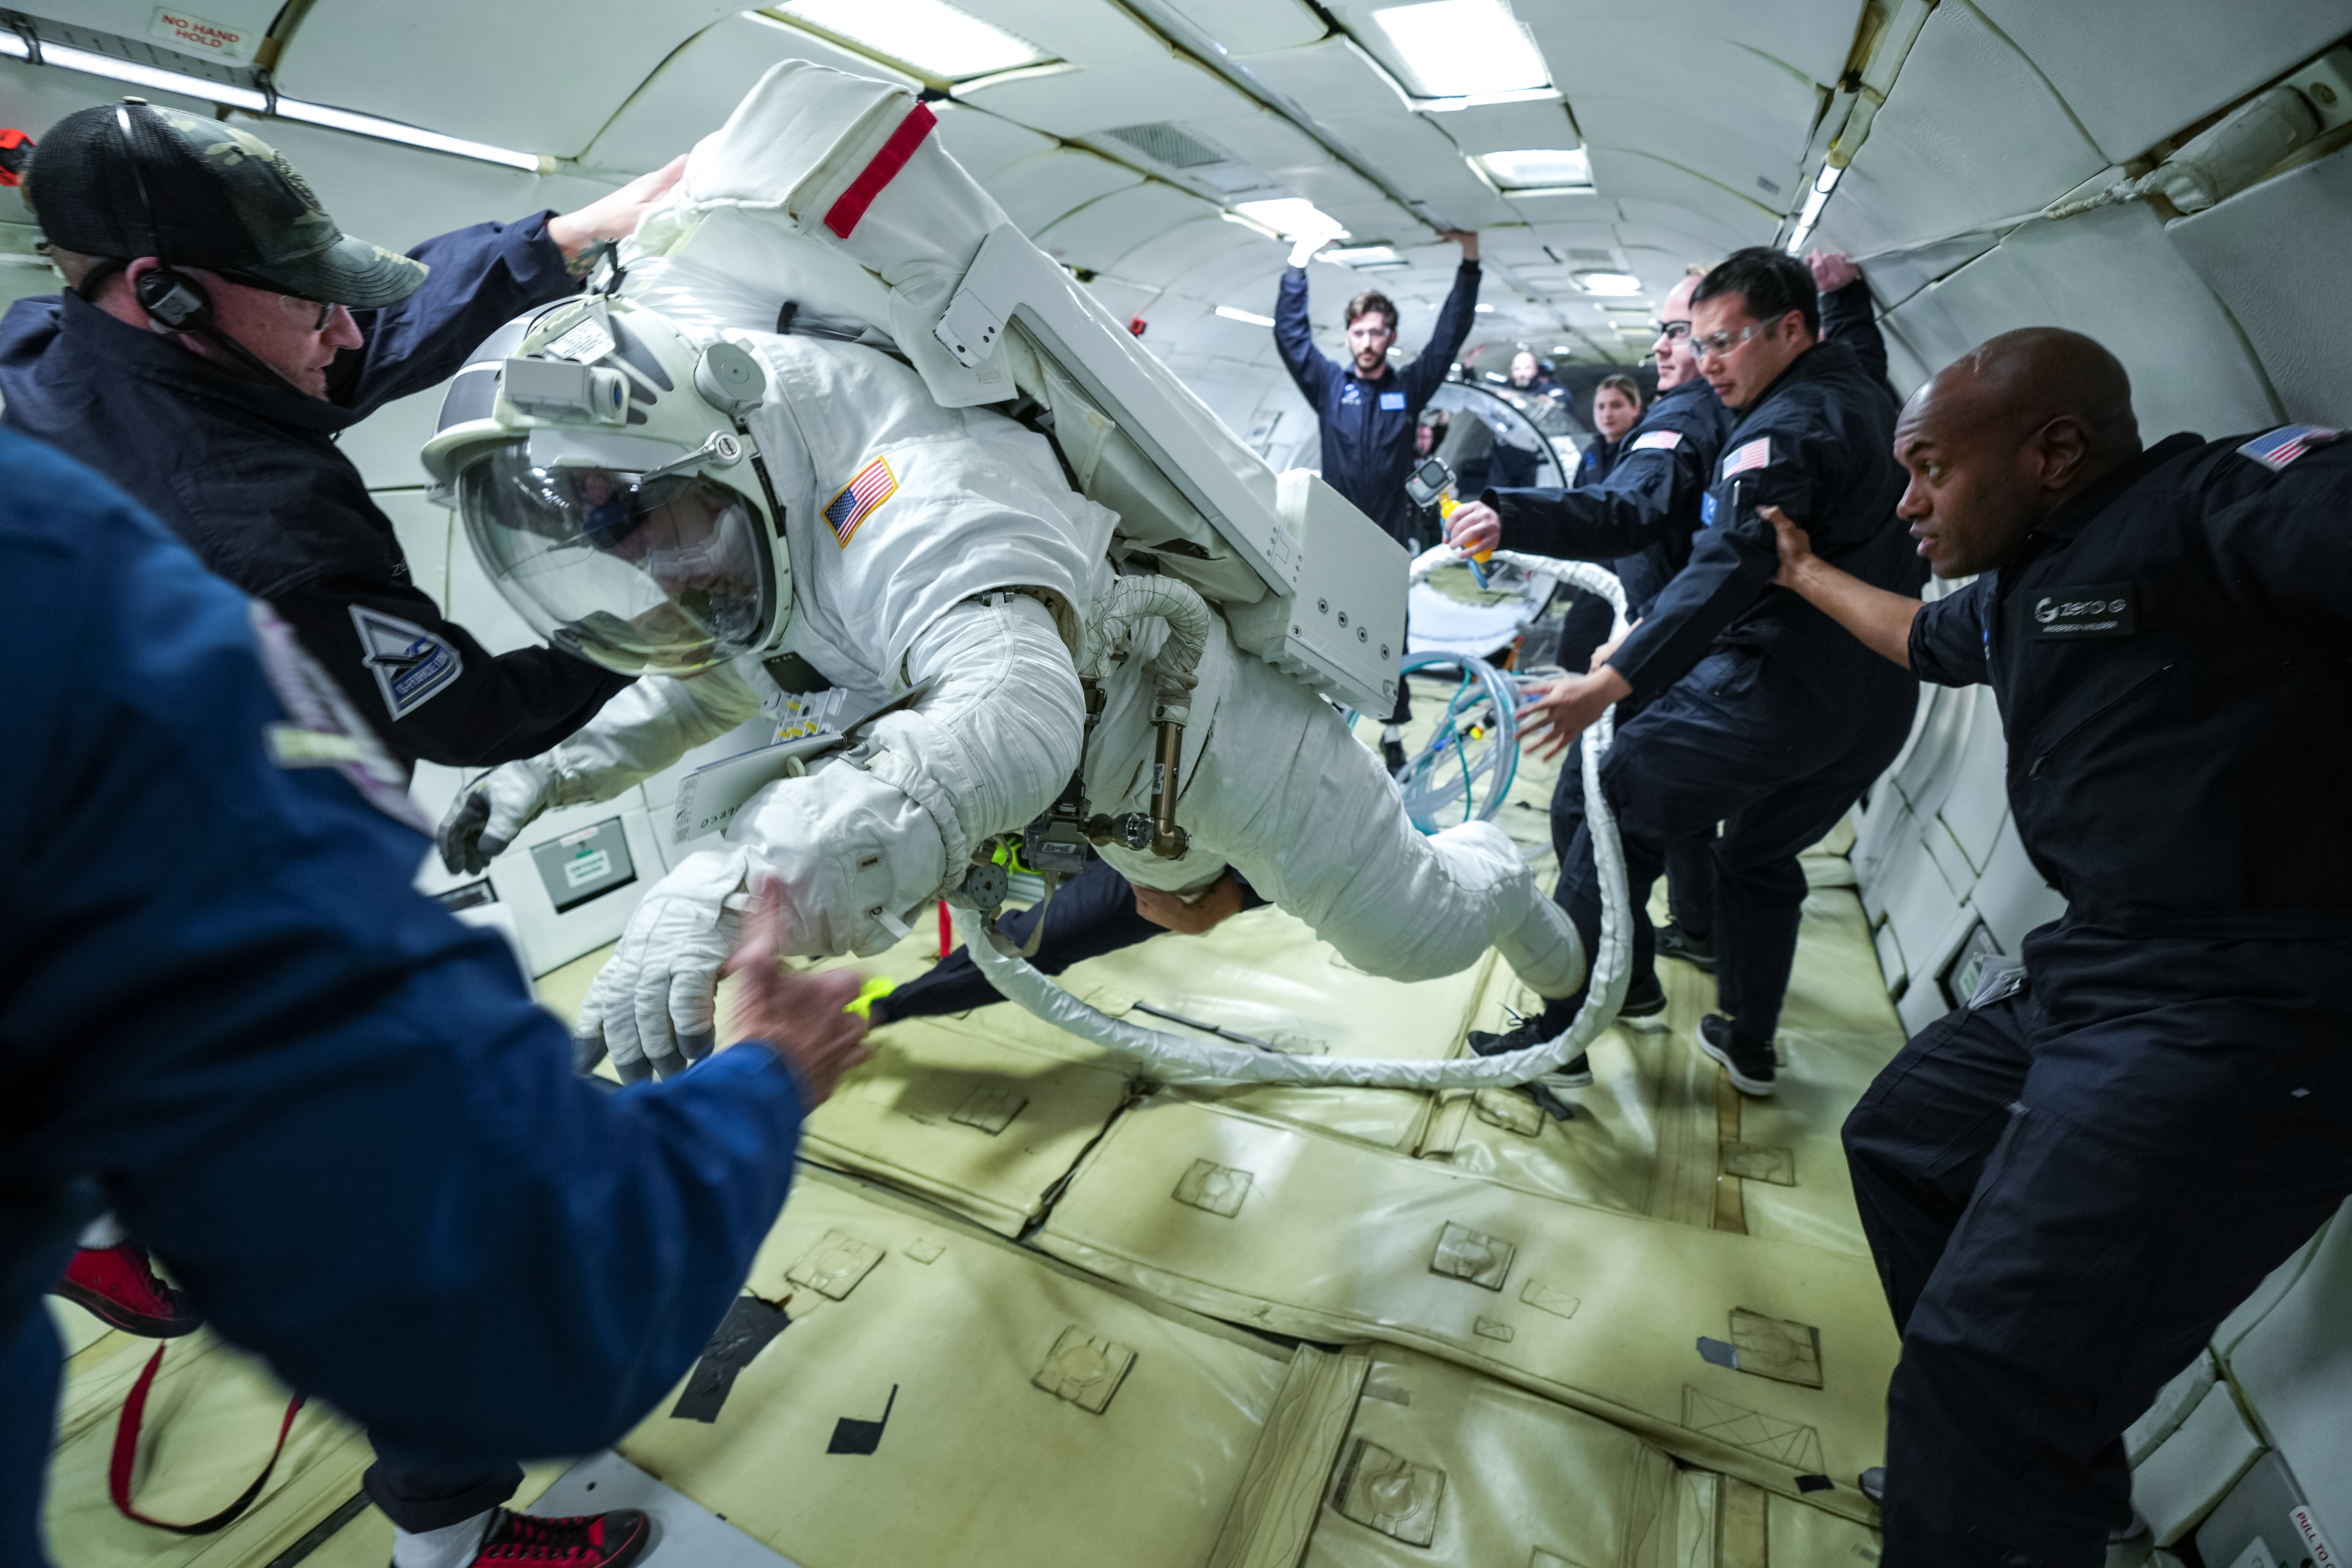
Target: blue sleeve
[
  {"x": 1294, "y": 337},
  {"x": 1949, "y": 637},
  {"x": 328, "y": 1106},
  {"x": 482, "y": 278},
  {"x": 1425, "y": 374}
]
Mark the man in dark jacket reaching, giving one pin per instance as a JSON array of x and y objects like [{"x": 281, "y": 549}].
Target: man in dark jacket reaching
[{"x": 221, "y": 332}]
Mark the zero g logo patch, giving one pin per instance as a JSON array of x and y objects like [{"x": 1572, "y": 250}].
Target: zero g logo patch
[
  {"x": 2092, "y": 610},
  {"x": 411, "y": 665}
]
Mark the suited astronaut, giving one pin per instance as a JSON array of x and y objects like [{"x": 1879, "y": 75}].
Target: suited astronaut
[{"x": 662, "y": 484}]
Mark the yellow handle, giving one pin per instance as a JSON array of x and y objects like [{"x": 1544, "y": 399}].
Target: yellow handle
[
  {"x": 1446, "y": 506},
  {"x": 873, "y": 991}
]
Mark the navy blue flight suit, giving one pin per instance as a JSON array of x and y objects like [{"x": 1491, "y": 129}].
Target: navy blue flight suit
[
  {"x": 1368, "y": 424},
  {"x": 331, "y": 1110},
  {"x": 247, "y": 472},
  {"x": 2067, "y": 1186},
  {"x": 1756, "y": 712}
]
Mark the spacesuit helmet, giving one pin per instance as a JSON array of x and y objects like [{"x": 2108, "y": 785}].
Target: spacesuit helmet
[{"x": 610, "y": 487}]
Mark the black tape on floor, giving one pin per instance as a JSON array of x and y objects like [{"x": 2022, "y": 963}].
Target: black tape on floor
[
  {"x": 852, "y": 1436},
  {"x": 743, "y": 1333}
]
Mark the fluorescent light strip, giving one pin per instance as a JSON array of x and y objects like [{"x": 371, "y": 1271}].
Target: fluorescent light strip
[
  {"x": 254, "y": 101},
  {"x": 415, "y": 136},
  {"x": 1229, "y": 313}
]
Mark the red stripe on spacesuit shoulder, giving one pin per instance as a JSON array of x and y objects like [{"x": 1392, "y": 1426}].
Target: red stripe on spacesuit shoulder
[{"x": 879, "y": 174}]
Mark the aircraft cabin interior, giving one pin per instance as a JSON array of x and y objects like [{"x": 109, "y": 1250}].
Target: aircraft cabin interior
[{"x": 1044, "y": 1304}]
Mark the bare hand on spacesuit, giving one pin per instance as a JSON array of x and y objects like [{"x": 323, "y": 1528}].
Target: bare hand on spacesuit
[
  {"x": 803, "y": 1018},
  {"x": 614, "y": 215},
  {"x": 1211, "y": 909},
  {"x": 487, "y": 813}
]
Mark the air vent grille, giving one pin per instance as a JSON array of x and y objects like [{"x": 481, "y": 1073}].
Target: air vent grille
[{"x": 1170, "y": 144}]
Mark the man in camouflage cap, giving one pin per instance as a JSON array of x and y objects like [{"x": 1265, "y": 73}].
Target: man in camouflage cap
[{"x": 220, "y": 331}]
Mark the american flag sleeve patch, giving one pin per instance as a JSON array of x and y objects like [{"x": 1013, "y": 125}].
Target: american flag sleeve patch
[{"x": 856, "y": 501}]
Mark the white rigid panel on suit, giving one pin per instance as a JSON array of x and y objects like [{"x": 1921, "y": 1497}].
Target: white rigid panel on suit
[
  {"x": 1601, "y": 1310},
  {"x": 2250, "y": 1312},
  {"x": 552, "y": 939},
  {"x": 2294, "y": 1367},
  {"x": 2173, "y": 1402},
  {"x": 2193, "y": 1469},
  {"x": 2103, "y": 273},
  {"x": 2134, "y": 75},
  {"x": 697, "y": 87},
  {"x": 1970, "y": 133},
  {"x": 2296, "y": 227}
]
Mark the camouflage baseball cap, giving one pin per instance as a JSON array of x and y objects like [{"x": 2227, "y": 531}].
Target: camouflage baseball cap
[{"x": 214, "y": 196}]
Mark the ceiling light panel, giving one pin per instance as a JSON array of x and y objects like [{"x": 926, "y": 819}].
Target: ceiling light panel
[
  {"x": 1462, "y": 49},
  {"x": 1365, "y": 257},
  {"x": 930, "y": 34},
  {"x": 1533, "y": 168},
  {"x": 1291, "y": 217},
  {"x": 1609, "y": 283}
]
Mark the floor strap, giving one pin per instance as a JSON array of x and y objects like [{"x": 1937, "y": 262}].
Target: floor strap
[{"x": 126, "y": 1453}]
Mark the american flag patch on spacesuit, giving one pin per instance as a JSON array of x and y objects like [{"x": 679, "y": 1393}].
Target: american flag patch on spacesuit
[
  {"x": 856, "y": 501},
  {"x": 2285, "y": 443},
  {"x": 1656, "y": 441}
]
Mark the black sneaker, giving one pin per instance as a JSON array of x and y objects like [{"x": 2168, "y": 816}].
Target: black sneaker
[
  {"x": 1644, "y": 998},
  {"x": 1752, "y": 1066},
  {"x": 1576, "y": 1073},
  {"x": 1693, "y": 949},
  {"x": 611, "y": 1540},
  {"x": 1392, "y": 757}
]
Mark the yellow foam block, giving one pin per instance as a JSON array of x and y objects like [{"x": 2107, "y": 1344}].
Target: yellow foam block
[{"x": 1328, "y": 1240}]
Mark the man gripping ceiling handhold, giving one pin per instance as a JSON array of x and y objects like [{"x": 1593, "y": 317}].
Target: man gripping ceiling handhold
[{"x": 665, "y": 483}]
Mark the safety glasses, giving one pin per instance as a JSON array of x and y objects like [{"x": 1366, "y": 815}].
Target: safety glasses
[{"x": 1716, "y": 344}]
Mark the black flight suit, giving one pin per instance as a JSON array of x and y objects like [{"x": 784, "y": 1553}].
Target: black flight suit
[
  {"x": 247, "y": 472},
  {"x": 2068, "y": 1186},
  {"x": 1664, "y": 462},
  {"x": 1756, "y": 712}
]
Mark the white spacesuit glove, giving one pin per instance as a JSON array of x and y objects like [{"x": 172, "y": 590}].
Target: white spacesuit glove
[
  {"x": 487, "y": 813},
  {"x": 652, "y": 1005}
]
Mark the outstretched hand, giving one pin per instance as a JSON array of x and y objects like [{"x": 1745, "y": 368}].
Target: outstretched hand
[
  {"x": 1475, "y": 527},
  {"x": 1566, "y": 709},
  {"x": 1796, "y": 545},
  {"x": 1833, "y": 270},
  {"x": 1466, "y": 238},
  {"x": 799, "y": 1017},
  {"x": 614, "y": 215}
]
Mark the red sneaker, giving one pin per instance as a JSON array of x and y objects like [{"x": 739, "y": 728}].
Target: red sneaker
[
  {"x": 584, "y": 1541},
  {"x": 118, "y": 1286}
]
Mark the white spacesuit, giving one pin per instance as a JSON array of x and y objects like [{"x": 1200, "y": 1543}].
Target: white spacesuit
[{"x": 923, "y": 546}]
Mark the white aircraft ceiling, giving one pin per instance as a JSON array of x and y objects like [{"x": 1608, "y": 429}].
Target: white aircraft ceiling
[{"x": 1703, "y": 122}]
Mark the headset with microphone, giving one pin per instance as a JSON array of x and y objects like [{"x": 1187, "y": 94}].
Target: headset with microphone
[{"x": 174, "y": 301}]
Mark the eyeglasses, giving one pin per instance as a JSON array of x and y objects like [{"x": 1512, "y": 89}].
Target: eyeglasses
[
  {"x": 1716, "y": 344},
  {"x": 297, "y": 307},
  {"x": 1671, "y": 329}
]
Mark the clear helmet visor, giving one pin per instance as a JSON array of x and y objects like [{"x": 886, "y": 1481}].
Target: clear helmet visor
[{"x": 664, "y": 575}]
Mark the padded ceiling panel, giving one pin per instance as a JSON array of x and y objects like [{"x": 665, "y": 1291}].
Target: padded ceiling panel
[
  {"x": 2135, "y": 74},
  {"x": 1508, "y": 127},
  {"x": 1970, "y": 133},
  {"x": 1084, "y": 32},
  {"x": 133, "y": 19},
  {"x": 1083, "y": 99},
  {"x": 985, "y": 143},
  {"x": 1169, "y": 259},
  {"x": 1757, "y": 159},
  {"x": 473, "y": 70},
  {"x": 1096, "y": 235},
  {"x": 1634, "y": 177},
  {"x": 2111, "y": 274},
  {"x": 699, "y": 87},
  {"x": 2295, "y": 230},
  {"x": 1412, "y": 155},
  {"x": 1035, "y": 191},
  {"x": 1261, "y": 139},
  {"x": 1252, "y": 26},
  {"x": 396, "y": 196},
  {"x": 1587, "y": 46}
]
